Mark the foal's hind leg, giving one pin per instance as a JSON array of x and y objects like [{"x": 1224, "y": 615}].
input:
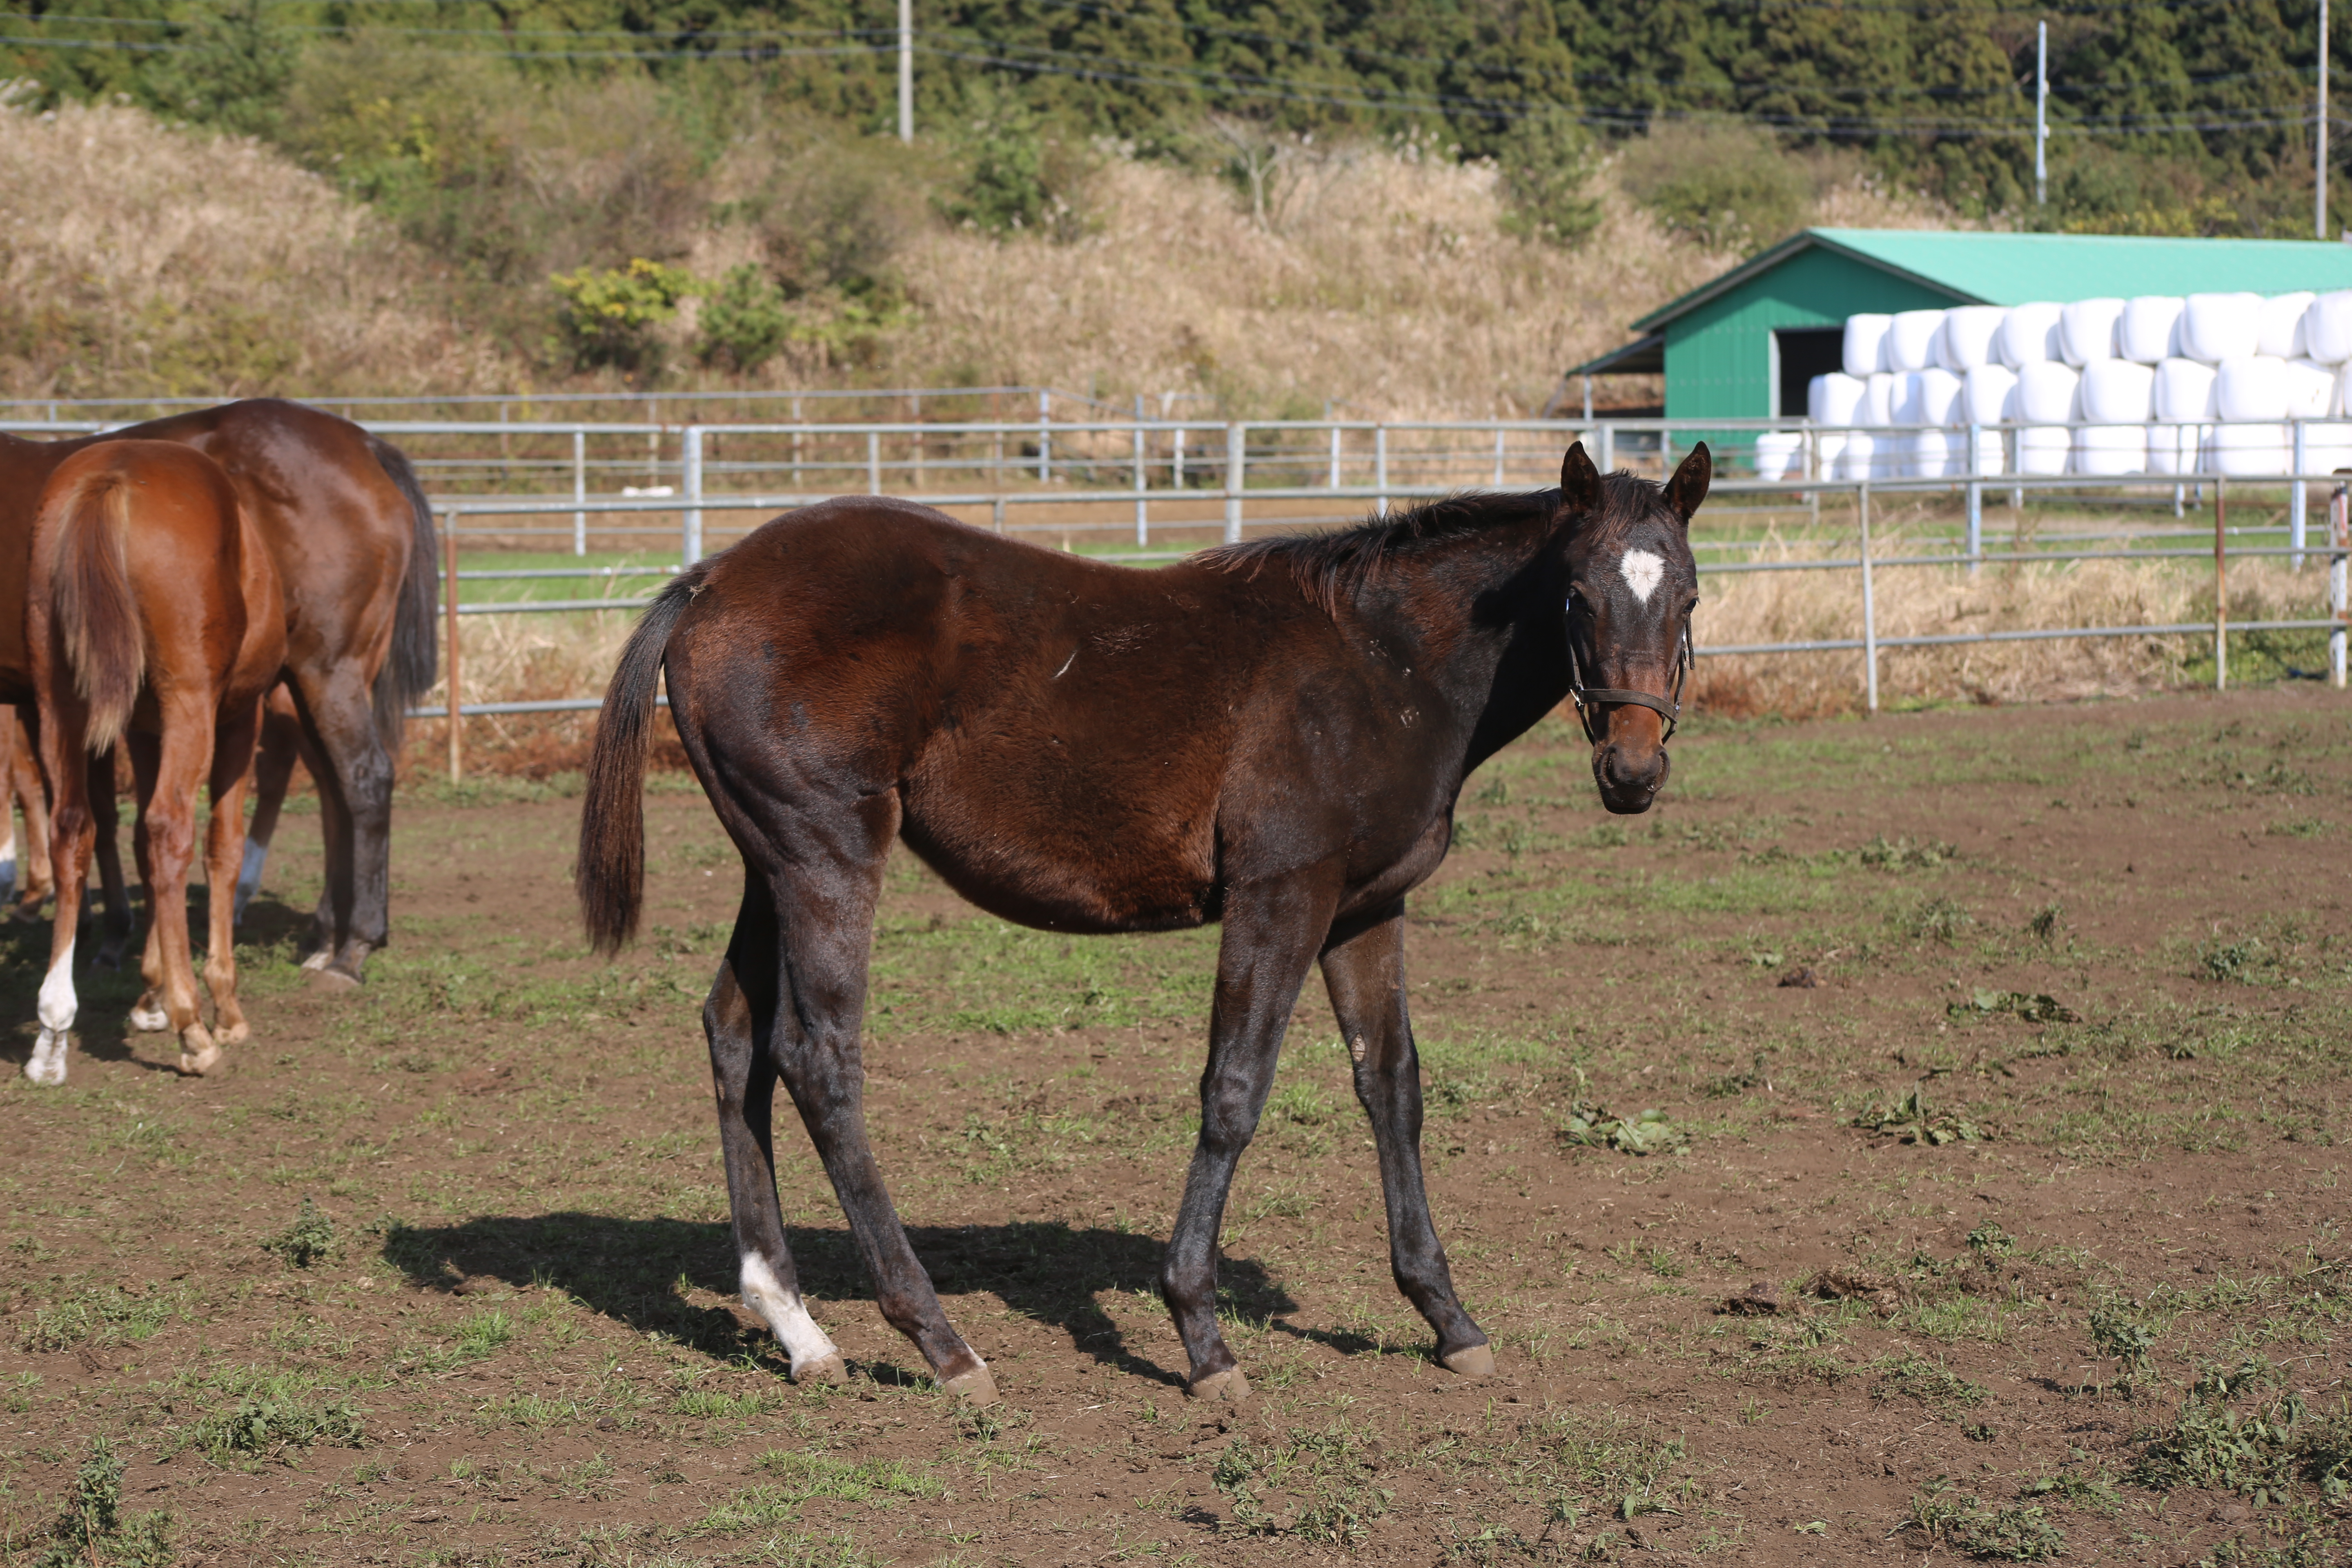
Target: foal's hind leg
[
  {"x": 1365, "y": 975},
  {"x": 808, "y": 1014},
  {"x": 743, "y": 1077},
  {"x": 148, "y": 1013},
  {"x": 168, "y": 814}
]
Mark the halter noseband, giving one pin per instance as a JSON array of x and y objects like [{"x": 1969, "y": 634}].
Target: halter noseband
[{"x": 1586, "y": 698}]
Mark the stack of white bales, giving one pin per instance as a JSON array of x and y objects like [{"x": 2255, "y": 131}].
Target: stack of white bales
[{"x": 2157, "y": 385}]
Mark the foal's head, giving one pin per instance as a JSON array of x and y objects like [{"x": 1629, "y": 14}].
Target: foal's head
[{"x": 1631, "y": 588}]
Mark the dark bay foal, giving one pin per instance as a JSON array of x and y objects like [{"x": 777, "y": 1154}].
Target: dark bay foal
[{"x": 1271, "y": 735}]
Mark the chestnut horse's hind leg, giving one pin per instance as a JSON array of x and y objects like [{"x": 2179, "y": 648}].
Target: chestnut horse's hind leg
[
  {"x": 39, "y": 879},
  {"x": 148, "y": 1014},
  {"x": 802, "y": 974},
  {"x": 224, "y": 848},
  {"x": 744, "y": 1078},
  {"x": 168, "y": 816},
  {"x": 70, "y": 847},
  {"x": 1364, "y": 972},
  {"x": 1270, "y": 938}
]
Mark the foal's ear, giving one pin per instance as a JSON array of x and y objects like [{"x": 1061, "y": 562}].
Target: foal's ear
[
  {"x": 1688, "y": 487},
  {"x": 1579, "y": 482}
]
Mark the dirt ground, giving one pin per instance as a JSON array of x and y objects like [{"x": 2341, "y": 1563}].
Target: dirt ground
[{"x": 1987, "y": 1201}]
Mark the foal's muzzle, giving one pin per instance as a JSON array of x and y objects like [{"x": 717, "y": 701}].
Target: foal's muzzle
[{"x": 1629, "y": 776}]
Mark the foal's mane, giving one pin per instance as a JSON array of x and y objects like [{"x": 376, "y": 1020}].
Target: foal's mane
[{"x": 1329, "y": 566}]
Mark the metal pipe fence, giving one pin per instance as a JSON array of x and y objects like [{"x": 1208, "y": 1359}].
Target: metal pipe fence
[{"x": 1162, "y": 487}]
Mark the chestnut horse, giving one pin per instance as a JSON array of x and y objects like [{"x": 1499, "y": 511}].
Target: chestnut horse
[
  {"x": 1271, "y": 735},
  {"x": 351, "y": 536},
  {"x": 151, "y": 613}
]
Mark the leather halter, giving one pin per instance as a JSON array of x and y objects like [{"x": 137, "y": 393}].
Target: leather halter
[{"x": 1586, "y": 698}]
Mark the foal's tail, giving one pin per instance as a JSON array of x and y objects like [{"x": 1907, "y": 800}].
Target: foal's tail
[
  {"x": 612, "y": 874},
  {"x": 90, "y": 597}
]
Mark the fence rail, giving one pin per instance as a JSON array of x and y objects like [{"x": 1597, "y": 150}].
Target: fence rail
[{"x": 1177, "y": 483}]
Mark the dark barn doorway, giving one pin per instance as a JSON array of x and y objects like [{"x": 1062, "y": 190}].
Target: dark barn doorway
[{"x": 1803, "y": 353}]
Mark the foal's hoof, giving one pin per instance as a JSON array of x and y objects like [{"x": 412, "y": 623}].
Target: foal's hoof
[
  {"x": 147, "y": 1017},
  {"x": 1227, "y": 1384},
  {"x": 326, "y": 977},
  {"x": 236, "y": 1034},
  {"x": 824, "y": 1369},
  {"x": 973, "y": 1387},
  {"x": 1474, "y": 1361},
  {"x": 199, "y": 1055}
]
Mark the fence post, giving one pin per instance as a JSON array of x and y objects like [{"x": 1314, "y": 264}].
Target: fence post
[
  {"x": 1236, "y": 475},
  {"x": 2221, "y": 586},
  {"x": 1142, "y": 522},
  {"x": 690, "y": 454},
  {"x": 1044, "y": 441},
  {"x": 874, "y": 462},
  {"x": 1869, "y": 607},
  {"x": 1608, "y": 441},
  {"x": 1498, "y": 457},
  {"x": 2297, "y": 505},
  {"x": 580, "y": 491},
  {"x": 801, "y": 429},
  {"x": 1335, "y": 449},
  {"x": 2339, "y": 538},
  {"x": 1381, "y": 467},
  {"x": 449, "y": 603},
  {"x": 1976, "y": 498},
  {"x": 1176, "y": 462}
]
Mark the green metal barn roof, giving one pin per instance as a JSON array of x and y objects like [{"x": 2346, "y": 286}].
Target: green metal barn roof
[{"x": 2015, "y": 268}]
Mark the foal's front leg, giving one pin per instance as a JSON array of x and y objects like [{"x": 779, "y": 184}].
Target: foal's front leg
[
  {"x": 1270, "y": 937},
  {"x": 1363, "y": 969}
]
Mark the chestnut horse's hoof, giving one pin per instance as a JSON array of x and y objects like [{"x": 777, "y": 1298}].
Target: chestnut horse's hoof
[
  {"x": 824, "y": 1369},
  {"x": 328, "y": 978},
  {"x": 1227, "y": 1384},
  {"x": 199, "y": 1055},
  {"x": 1473, "y": 1361},
  {"x": 973, "y": 1387},
  {"x": 147, "y": 1017}
]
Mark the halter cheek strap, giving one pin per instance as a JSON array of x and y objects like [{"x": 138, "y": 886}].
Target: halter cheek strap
[{"x": 1586, "y": 698}]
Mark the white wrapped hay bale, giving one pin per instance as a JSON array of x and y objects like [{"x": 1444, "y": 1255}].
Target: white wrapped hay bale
[
  {"x": 2280, "y": 330},
  {"x": 2327, "y": 328},
  {"x": 2086, "y": 330},
  {"x": 2116, "y": 395},
  {"x": 1857, "y": 458},
  {"x": 2248, "y": 449},
  {"x": 2183, "y": 407},
  {"x": 2327, "y": 446},
  {"x": 2251, "y": 388},
  {"x": 1778, "y": 453},
  {"x": 2310, "y": 389},
  {"x": 1935, "y": 454},
  {"x": 1985, "y": 393},
  {"x": 1865, "y": 344},
  {"x": 1877, "y": 408},
  {"x": 2029, "y": 335},
  {"x": 1835, "y": 399},
  {"x": 2217, "y": 327},
  {"x": 2046, "y": 393},
  {"x": 1927, "y": 397},
  {"x": 1829, "y": 446},
  {"x": 1911, "y": 340},
  {"x": 1967, "y": 338},
  {"x": 2149, "y": 330},
  {"x": 2045, "y": 448}
]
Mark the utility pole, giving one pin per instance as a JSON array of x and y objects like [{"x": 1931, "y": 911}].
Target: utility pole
[
  {"x": 2040, "y": 112},
  {"x": 2319, "y": 156},
  {"x": 905, "y": 71}
]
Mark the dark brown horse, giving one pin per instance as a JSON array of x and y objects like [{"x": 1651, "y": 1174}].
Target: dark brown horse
[
  {"x": 351, "y": 537},
  {"x": 151, "y": 613},
  {"x": 1271, "y": 735}
]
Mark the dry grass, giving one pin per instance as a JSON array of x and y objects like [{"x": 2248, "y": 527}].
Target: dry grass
[
  {"x": 1803, "y": 606},
  {"x": 143, "y": 261}
]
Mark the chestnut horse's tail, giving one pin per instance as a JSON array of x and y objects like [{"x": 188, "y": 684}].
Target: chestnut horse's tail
[
  {"x": 612, "y": 872},
  {"x": 89, "y": 595},
  {"x": 410, "y": 670}
]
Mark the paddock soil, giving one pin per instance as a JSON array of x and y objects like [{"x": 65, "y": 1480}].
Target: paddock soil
[{"x": 2085, "y": 1296}]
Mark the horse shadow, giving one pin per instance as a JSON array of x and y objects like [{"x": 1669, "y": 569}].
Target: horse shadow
[{"x": 631, "y": 1270}]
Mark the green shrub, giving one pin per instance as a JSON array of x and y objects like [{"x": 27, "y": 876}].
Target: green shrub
[
  {"x": 744, "y": 320},
  {"x": 309, "y": 1239},
  {"x": 1543, "y": 169},
  {"x": 1731, "y": 187},
  {"x": 609, "y": 315}
]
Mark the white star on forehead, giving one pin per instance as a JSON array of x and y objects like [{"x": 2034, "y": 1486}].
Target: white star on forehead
[{"x": 1642, "y": 571}]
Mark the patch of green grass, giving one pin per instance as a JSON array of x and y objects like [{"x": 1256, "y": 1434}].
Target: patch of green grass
[
  {"x": 2261, "y": 1453},
  {"x": 802, "y": 1475},
  {"x": 105, "y": 1315},
  {"x": 1932, "y": 1383},
  {"x": 91, "y": 1530},
  {"x": 309, "y": 1239},
  {"x": 1958, "y": 1521},
  {"x": 1311, "y": 1485}
]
